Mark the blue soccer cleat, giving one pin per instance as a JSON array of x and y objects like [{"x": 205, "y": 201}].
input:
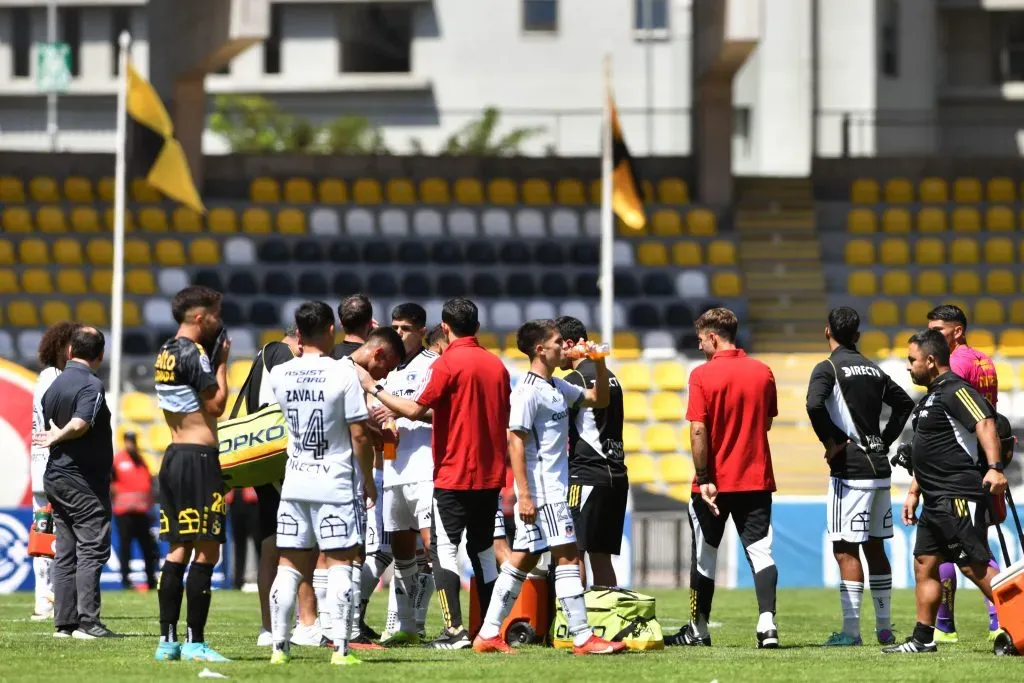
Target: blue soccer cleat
[
  {"x": 201, "y": 652},
  {"x": 167, "y": 652}
]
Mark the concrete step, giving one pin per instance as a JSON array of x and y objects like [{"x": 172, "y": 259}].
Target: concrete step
[
  {"x": 779, "y": 250},
  {"x": 788, "y": 344},
  {"x": 773, "y": 313},
  {"x": 779, "y": 218}
]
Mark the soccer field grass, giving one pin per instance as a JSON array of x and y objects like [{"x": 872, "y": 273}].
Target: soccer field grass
[{"x": 806, "y": 617}]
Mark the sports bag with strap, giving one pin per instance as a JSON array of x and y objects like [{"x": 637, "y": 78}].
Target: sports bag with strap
[{"x": 615, "y": 614}]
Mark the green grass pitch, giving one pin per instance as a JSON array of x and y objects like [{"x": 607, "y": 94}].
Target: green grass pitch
[{"x": 806, "y": 617}]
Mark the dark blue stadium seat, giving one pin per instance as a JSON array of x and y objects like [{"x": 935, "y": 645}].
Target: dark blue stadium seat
[
  {"x": 416, "y": 285},
  {"x": 515, "y": 253},
  {"x": 554, "y": 286},
  {"x": 520, "y": 285},
  {"x": 377, "y": 252},
  {"x": 343, "y": 251},
  {"x": 585, "y": 253},
  {"x": 446, "y": 253},
  {"x": 688, "y": 342},
  {"x": 243, "y": 283},
  {"x": 658, "y": 284},
  {"x": 231, "y": 313},
  {"x": 162, "y": 335},
  {"x": 706, "y": 306},
  {"x": 313, "y": 284},
  {"x": 481, "y": 253},
  {"x": 274, "y": 251},
  {"x": 626, "y": 284},
  {"x": 413, "y": 252},
  {"x": 549, "y": 253},
  {"x": 208, "y": 278},
  {"x": 451, "y": 284},
  {"x": 382, "y": 284},
  {"x": 347, "y": 283},
  {"x": 644, "y": 315},
  {"x": 485, "y": 285},
  {"x": 136, "y": 344},
  {"x": 278, "y": 283},
  {"x": 309, "y": 251},
  {"x": 586, "y": 285},
  {"x": 264, "y": 314},
  {"x": 678, "y": 314}
]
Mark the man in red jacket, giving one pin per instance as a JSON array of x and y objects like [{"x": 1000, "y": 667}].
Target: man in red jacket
[{"x": 132, "y": 488}]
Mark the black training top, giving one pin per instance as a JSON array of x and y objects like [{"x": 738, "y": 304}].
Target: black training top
[
  {"x": 596, "y": 454},
  {"x": 79, "y": 393}
]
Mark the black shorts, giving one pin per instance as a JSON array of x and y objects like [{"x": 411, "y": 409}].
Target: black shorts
[
  {"x": 954, "y": 529},
  {"x": 192, "y": 489},
  {"x": 268, "y": 496},
  {"x": 599, "y": 513},
  {"x": 751, "y": 512},
  {"x": 464, "y": 512}
]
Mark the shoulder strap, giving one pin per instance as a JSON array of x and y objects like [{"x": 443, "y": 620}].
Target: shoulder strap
[{"x": 248, "y": 381}]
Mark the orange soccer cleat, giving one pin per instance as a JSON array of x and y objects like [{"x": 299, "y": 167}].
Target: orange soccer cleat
[
  {"x": 495, "y": 644},
  {"x": 598, "y": 646}
]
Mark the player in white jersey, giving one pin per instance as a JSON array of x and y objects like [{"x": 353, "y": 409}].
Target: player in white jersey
[
  {"x": 330, "y": 461},
  {"x": 538, "y": 449},
  {"x": 52, "y": 353}
]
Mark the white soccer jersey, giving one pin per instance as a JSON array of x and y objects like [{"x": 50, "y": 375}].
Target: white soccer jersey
[
  {"x": 414, "y": 462},
  {"x": 320, "y": 397},
  {"x": 40, "y": 455},
  {"x": 541, "y": 408}
]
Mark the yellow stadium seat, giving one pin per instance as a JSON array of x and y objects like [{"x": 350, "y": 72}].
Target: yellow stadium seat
[
  {"x": 964, "y": 251},
  {"x": 138, "y": 407},
  {"x": 100, "y": 252},
  {"x": 1000, "y": 190},
  {"x": 298, "y": 191},
  {"x": 6, "y": 253},
  {"x": 623, "y": 230},
  {"x": 916, "y": 312},
  {"x": 78, "y": 190},
  {"x": 130, "y": 315},
  {"x": 186, "y": 220},
  {"x": 12, "y": 190},
  {"x": 930, "y": 251},
  {"x": 332, "y": 191},
  {"x": 22, "y": 314},
  {"x": 54, "y": 311},
  {"x": 931, "y": 219},
  {"x": 222, "y": 220},
  {"x": 896, "y": 283},
  {"x": 43, "y": 190},
  {"x": 152, "y": 219},
  {"x": 105, "y": 189},
  {"x": 894, "y": 252},
  {"x": 367, "y": 191},
  {"x": 999, "y": 250},
  {"x": 721, "y": 253},
  {"x": 1017, "y": 314},
  {"x": 641, "y": 469},
  {"x": 267, "y": 336},
  {"x": 874, "y": 344},
  {"x": 204, "y": 252},
  {"x": 536, "y": 192},
  {"x": 401, "y": 191},
  {"x": 883, "y": 313},
  {"x": 864, "y": 191},
  {"x": 625, "y": 345},
  {"x": 899, "y": 191},
  {"x": 509, "y": 348},
  {"x": 896, "y": 220},
  {"x": 1000, "y": 282},
  {"x": 91, "y": 312},
  {"x": 291, "y": 222},
  {"x": 71, "y": 281},
  {"x": 435, "y": 191},
  {"x": 966, "y": 283},
  {"x": 256, "y": 221},
  {"x": 673, "y": 191},
  {"x": 1011, "y": 343},
  {"x": 634, "y": 406},
  {"x": 144, "y": 193},
  {"x": 661, "y": 438},
  {"x": 676, "y": 471},
  {"x": 966, "y": 219},
  {"x": 726, "y": 284},
  {"x": 686, "y": 254},
  {"x": 469, "y": 191},
  {"x": 634, "y": 376},
  {"x": 51, "y": 219},
  {"x": 9, "y": 282},
  {"x": 17, "y": 219},
  {"x": 652, "y": 254},
  {"x": 170, "y": 253},
  {"x": 967, "y": 191},
  {"x": 1005, "y": 375},
  {"x": 489, "y": 341},
  {"x": 860, "y": 253},
  {"x": 36, "y": 281},
  {"x": 570, "y": 192},
  {"x": 988, "y": 312},
  {"x": 265, "y": 191},
  {"x": 85, "y": 219},
  {"x": 129, "y": 220},
  {"x": 861, "y": 221},
  {"x": 100, "y": 281},
  {"x": 502, "y": 191},
  {"x": 33, "y": 252},
  {"x": 931, "y": 283},
  {"x": 667, "y": 223},
  {"x": 668, "y": 407},
  {"x": 137, "y": 253},
  {"x": 670, "y": 376},
  {"x": 238, "y": 370},
  {"x": 595, "y": 191},
  {"x": 701, "y": 223},
  {"x": 933, "y": 191},
  {"x": 984, "y": 341},
  {"x": 861, "y": 283},
  {"x": 999, "y": 218},
  {"x": 647, "y": 190},
  {"x": 157, "y": 436},
  {"x": 139, "y": 281}
]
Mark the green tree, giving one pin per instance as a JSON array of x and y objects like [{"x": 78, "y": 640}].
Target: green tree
[{"x": 480, "y": 138}]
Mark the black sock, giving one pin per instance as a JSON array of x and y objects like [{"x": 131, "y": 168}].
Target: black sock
[
  {"x": 702, "y": 592},
  {"x": 765, "y": 583},
  {"x": 198, "y": 588},
  {"x": 169, "y": 594},
  {"x": 924, "y": 634},
  {"x": 448, "y": 584}
]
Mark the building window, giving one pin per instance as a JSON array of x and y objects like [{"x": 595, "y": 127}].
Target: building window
[
  {"x": 540, "y": 16},
  {"x": 650, "y": 15},
  {"x": 21, "y": 44},
  {"x": 889, "y": 59},
  {"x": 741, "y": 131},
  {"x": 1008, "y": 41},
  {"x": 120, "y": 21},
  {"x": 71, "y": 33},
  {"x": 378, "y": 38},
  {"x": 272, "y": 45}
]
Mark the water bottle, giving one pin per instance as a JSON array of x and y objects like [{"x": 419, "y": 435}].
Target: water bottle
[
  {"x": 389, "y": 432},
  {"x": 43, "y": 520}
]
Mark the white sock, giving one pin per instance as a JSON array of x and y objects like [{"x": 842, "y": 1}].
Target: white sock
[
  {"x": 765, "y": 622},
  {"x": 881, "y": 595},
  {"x": 391, "y": 626},
  {"x": 850, "y": 595},
  {"x": 283, "y": 594},
  {"x": 506, "y": 590},
  {"x": 41, "y": 567},
  {"x": 405, "y": 594},
  {"x": 569, "y": 591},
  {"x": 357, "y": 599},
  {"x": 323, "y": 606},
  {"x": 339, "y": 590},
  {"x": 424, "y": 591}
]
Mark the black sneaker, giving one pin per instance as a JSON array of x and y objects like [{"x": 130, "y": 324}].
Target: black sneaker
[
  {"x": 64, "y": 631},
  {"x": 367, "y": 632},
  {"x": 326, "y": 642},
  {"x": 685, "y": 636},
  {"x": 910, "y": 646},
  {"x": 459, "y": 640},
  {"x": 768, "y": 640},
  {"x": 92, "y": 632}
]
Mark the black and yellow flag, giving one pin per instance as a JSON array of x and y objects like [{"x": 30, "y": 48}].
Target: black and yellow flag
[
  {"x": 153, "y": 146},
  {"x": 627, "y": 202}
]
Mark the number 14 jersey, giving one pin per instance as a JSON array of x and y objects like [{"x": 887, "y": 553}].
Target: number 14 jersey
[{"x": 319, "y": 397}]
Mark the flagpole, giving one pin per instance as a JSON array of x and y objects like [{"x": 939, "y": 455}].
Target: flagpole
[
  {"x": 117, "y": 287},
  {"x": 607, "y": 278}
]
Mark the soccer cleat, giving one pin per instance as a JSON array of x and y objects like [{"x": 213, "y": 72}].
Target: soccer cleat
[
  {"x": 946, "y": 637},
  {"x": 598, "y": 646},
  {"x": 399, "y": 638},
  {"x": 265, "y": 638},
  {"x": 911, "y": 646},
  {"x": 339, "y": 659},
  {"x": 841, "y": 639},
  {"x": 459, "y": 640},
  {"x": 326, "y": 642},
  {"x": 886, "y": 636},
  {"x": 993, "y": 633},
  {"x": 361, "y": 642},
  {"x": 495, "y": 644},
  {"x": 686, "y": 636},
  {"x": 201, "y": 652},
  {"x": 280, "y": 657},
  {"x": 768, "y": 640},
  {"x": 92, "y": 632},
  {"x": 167, "y": 652},
  {"x": 63, "y": 632},
  {"x": 365, "y": 630},
  {"x": 306, "y": 636}
]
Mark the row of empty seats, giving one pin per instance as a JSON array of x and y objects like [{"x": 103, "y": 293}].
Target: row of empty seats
[
  {"x": 899, "y": 220},
  {"x": 74, "y": 281},
  {"x": 1008, "y": 343},
  {"x": 25, "y": 312},
  {"x": 934, "y": 190},
  {"x": 86, "y": 219},
  {"x": 994, "y": 282},
  {"x": 898, "y": 251},
  {"x": 983, "y": 312},
  {"x": 75, "y": 189},
  {"x": 100, "y": 252}
]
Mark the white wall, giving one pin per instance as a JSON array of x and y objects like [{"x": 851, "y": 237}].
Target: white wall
[{"x": 847, "y": 70}]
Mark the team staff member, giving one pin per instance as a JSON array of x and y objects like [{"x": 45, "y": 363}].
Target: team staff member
[
  {"x": 598, "y": 482},
  {"x": 132, "y": 486},
  {"x": 844, "y": 403},
  {"x": 732, "y": 402},
  {"x": 356, "y": 315},
  {"x": 77, "y": 484},
  {"x": 192, "y": 395},
  {"x": 468, "y": 391},
  {"x": 954, "y": 430},
  {"x": 979, "y": 371}
]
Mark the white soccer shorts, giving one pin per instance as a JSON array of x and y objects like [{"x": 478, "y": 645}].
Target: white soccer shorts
[
  {"x": 408, "y": 507},
  {"x": 329, "y": 526},
  {"x": 37, "y": 468},
  {"x": 377, "y": 539},
  {"x": 552, "y": 527},
  {"x": 855, "y": 515},
  {"x": 499, "y": 521}
]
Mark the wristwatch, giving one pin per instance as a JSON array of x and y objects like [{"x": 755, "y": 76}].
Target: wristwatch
[
  {"x": 998, "y": 467},
  {"x": 376, "y": 390}
]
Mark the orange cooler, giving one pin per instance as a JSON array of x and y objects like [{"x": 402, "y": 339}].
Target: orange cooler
[
  {"x": 530, "y": 618},
  {"x": 1008, "y": 596}
]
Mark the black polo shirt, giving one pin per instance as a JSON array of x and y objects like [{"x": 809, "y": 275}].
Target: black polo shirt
[{"x": 79, "y": 393}]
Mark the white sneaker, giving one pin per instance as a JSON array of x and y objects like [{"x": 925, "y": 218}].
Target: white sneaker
[
  {"x": 307, "y": 636},
  {"x": 43, "y": 610},
  {"x": 265, "y": 638}
]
